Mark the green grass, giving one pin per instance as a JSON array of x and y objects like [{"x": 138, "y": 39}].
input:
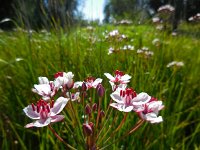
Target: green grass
[{"x": 85, "y": 53}]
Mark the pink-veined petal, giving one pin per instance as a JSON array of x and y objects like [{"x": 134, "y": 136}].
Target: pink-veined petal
[
  {"x": 30, "y": 113},
  {"x": 109, "y": 76},
  {"x": 96, "y": 82},
  {"x": 125, "y": 77},
  {"x": 127, "y": 108},
  {"x": 58, "y": 106},
  {"x": 116, "y": 97},
  {"x": 152, "y": 117},
  {"x": 57, "y": 118},
  {"x": 141, "y": 99},
  {"x": 138, "y": 108},
  {"x": 39, "y": 123},
  {"x": 42, "y": 89},
  {"x": 43, "y": 80},
  {"x": 122, "y": 107},
  {"x": 77, "y": 84}
]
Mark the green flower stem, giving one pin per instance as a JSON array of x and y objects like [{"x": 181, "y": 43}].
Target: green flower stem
[
  {"x": 59, "y": 138},
  {"x": 137, "y": 125},
  {"x": 110, "y": 127},
  {"x": 98, "y": 114}
]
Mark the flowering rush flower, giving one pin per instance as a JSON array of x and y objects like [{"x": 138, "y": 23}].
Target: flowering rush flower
[
  {"x": 175, "y": 63},
  {"x": 45, "y": 88},
  {"x": 119, "y": 80},
  {"x": 90, "y": 82},
  {"x": 64, "y": 80},
  {"x": 150, "y": 113},
  {"x": 45, "y": 113},
  {"x": 128, "y": 100}
]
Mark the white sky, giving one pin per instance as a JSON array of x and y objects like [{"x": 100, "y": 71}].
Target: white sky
[{"x": 93, "y": 9}]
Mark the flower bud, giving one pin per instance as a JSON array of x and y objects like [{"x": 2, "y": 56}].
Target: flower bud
[
  {"x": 102, "y": 114},
  {"x": 100, "y": 90},
  {"x": 87, "y": 109},
  {"x": 87, "y": 129},
  {"x": 94, "y": 107},
  {"x": 84, "y": 87},
  {"x": 70, "y": 84}
]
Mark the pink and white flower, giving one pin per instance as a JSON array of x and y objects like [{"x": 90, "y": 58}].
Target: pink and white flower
[
  {"x": 150, "y": 113},
  {"x": 73, "y": 96},
  {"x": 90, "y": 82},
  {"x": 128, "y": 100},
  {"x": 45, "y": 113},
  {"x": 64, "y": 80},
  {"x": 45, "y": 88},
  {"x": 119, "y": 80}
]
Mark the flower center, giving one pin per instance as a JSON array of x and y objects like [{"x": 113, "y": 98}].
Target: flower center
[
  {"x": 43, "y": 108},
  {"x": 128, "y": 95}
]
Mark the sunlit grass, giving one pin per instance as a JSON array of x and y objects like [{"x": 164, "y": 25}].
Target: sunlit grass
[{"x": 25, "y": 56}]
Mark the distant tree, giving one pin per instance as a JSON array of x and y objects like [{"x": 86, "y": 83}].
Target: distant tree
[
  {"x": 119, "y": 9},
  {"x": 6, "y": 11},
  {"x": 46, "y": 13}
]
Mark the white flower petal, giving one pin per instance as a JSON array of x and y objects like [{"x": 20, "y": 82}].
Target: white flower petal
[
  {"x": 30, "y": 113},
  {"x": 122, "y": 107},
  {"x": 96, "y": 82},
  {"x": 125, "y": 77},
  {"x": 141, "y": 99},
  {"x": 58, "y": 106},
  {"x": 43, "y": 89},
  {"x": 43, "y": 80},
  {"x": 109, "y": 76},
  {"x": 127, "y": 108},
  {"x": 152, "y": 117},
  {"x": 116, "y": 97},
  {"x": 39, "y": 123},
  {"x": 57, "y": 118},
  {"x": 77, "y": 84}
]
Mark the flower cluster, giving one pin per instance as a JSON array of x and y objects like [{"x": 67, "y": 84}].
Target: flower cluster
[
  {"x": 195, "y": 18},
  {"x": 63, "y": 93},
  {"x": 175, "y": 63},
  {"x": 164, "y": 17},
  {"x": 145, "y": 52},
  {"x": 127, "y": 100},
  {"x": 166, "y": 9},
  {"x": 115, "y": 35}
]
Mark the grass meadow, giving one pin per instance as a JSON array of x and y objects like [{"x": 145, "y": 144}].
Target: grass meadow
[{"x": 24, "y": 56}]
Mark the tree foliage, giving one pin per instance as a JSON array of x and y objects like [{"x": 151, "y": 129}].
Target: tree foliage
[
  {"x": 40, "y": 13},
  {"x": 128, "y": 9}
]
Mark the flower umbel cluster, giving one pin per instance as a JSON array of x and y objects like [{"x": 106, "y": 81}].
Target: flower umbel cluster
[{"x": 91, "y": 120}]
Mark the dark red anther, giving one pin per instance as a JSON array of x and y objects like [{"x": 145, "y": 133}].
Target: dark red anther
[
  {"x": 38, "y": 108},
  {"x": 117, "y": 72},
  {"x": 90, "y": 79},
  {"x": 153, "y": 99},
  {"x": 33, "y": 106},
  {"x": 58, "y": 74},
  {"x": 43, "y": 107},
  {"x": 121, "y": 92},
  {"x": 48, "y": 109},
  {"x": 52, "y": 103}
]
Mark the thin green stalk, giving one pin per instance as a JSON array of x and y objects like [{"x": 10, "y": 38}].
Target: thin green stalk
[
  {"x": 59, "y": 138},
  {"x": 138, "y": 124}
]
